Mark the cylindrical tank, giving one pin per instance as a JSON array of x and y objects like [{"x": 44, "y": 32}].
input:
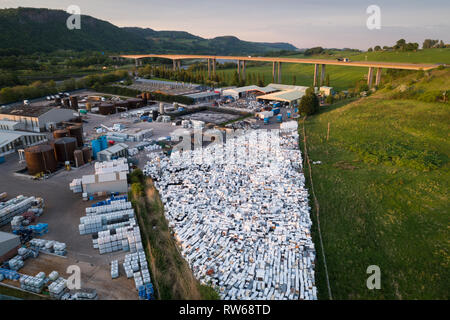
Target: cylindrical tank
[
  {"x": 106, "y": 108},
  {"x": 148, "y": 96},
  {"x": 74, "y": 102},
  {"x": 103, "y": 142},
  {"x": 88, "y": 106},
  {"x": 66, "y": 103},
  {"x": 161, "y": 108},
  {"x": 64, "y": 148},
  {"x": 87, "y": 154},
  {"x": 155, "y": 114},
  {"x": 57, "y": 134},
  {"x": 135, "y": 103},
  {"x": 40, "y": 158},
  {"x": 78, "y": 158},
  {"x": 96, "y": 147},
  {"x": 77, "y": 133}
]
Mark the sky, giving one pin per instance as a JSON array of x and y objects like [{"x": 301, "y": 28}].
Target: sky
[{"x": 303, "y": 23}]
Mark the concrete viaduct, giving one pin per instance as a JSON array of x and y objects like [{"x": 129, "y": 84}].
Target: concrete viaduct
[{"x": 277, "y": 62}]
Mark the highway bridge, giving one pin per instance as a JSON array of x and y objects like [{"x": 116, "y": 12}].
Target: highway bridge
[{"x": 278, "y": 61}]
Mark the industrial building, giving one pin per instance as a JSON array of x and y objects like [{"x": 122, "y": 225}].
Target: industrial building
[
  {"x": 9, "y": 244},
  {"x": 289, "y": 95},
  {"x": 106, "y": 182},
  {"x": 10, "y": 141},
  {"x": 326, "y": 91},
  {"x": 241, "y": 92},
  {"x": 203, "y": 96},
  {"x": 37, "y": 119},
  {"x": 11, "y": 125},
  {"x": 116, "y": 151}
]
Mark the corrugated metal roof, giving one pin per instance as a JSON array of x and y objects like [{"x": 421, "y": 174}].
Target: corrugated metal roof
[
  {"x": 115, "y": 148},
  {"x": 253, "y": 87},
  {"x": 7, "y": 136},
  {"x": 202, "y": 95},
  {"x": 286, "y": 96}
]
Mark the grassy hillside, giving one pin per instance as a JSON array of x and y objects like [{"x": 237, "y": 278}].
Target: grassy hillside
[
  {"x": 383, "y": 193},
  {"x": 344, "y": 77}
]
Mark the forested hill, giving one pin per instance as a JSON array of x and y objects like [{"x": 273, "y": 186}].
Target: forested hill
[{"x": 44, "y": 30}]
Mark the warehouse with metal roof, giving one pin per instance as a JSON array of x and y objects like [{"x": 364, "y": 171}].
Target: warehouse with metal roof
[
  {"x": 35, "y": 118},
  {"x": 237, "y": 93},
  {"x": 289, "y": 98}
]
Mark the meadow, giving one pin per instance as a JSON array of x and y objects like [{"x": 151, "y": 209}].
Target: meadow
[{"x": 382, "y": 188}]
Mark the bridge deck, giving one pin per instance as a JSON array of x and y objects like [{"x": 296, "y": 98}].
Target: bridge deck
[{"x": 375, "y": 64}]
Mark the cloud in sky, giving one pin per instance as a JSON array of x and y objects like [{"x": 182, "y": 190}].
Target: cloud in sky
[{"x": 304, "y": 23}]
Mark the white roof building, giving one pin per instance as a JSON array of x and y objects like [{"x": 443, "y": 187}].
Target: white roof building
[{"x": 236, "y": 93}]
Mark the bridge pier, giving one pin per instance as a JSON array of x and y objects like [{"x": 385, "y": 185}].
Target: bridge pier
[
  {"x": 322, "y": 75},
  {"x": 273, "y": 72},
  {"x": 279, "y": 71},
  {"x": 378, "y": 77},
  {"x": 209, "y": 69},
  {"x": 179, "y": 65},
  {"x": 239, "y": 69},
  {"x": 370, "y": 77},
  {"x": 243, "y": 70},
  {"x": 316, "y": 74},
  {"x": 214, "y": 67},
  {"x": 174, "y": 67}
]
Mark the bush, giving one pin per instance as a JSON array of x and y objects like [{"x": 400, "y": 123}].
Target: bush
[
  {"x": 309, "y": 104},
  {"x": 329, "y": 99}
]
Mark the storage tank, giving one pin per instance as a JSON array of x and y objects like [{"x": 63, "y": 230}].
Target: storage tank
[
  {"x": 88, "y": 106},
  {"x": 155, "y": 115},
  {"x": 66, "y": 103},
  {"x": 40, "y": 158},
  {"x": 96, "y": 147},
  {"x": 64, "y": 148},
  {"x": 74, "y": 102},
  {"x": 106, "y": 108},
  {"x": 77, "y": 133},
  {"x": 103, "y": 142},
  {"x": 135, "y": 103},
  {"x": 87, "y": 154},
  {"x": 121, "y": 104},
  {"x": 161, "y": 108},
  {"x": 57, "y": 134},
  {"x": 78, "y": 158}
]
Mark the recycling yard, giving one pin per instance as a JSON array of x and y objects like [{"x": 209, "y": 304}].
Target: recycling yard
[{"x": 243, "y": 227}]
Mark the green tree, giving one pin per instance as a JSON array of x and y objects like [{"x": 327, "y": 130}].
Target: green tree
[{"x": 309, "y": 104}]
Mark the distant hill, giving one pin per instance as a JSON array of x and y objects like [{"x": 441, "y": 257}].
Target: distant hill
[{"x": 44, "y": 30}]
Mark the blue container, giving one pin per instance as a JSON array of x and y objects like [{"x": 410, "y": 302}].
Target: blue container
[
  {"x": 289, "y": 114},
  {"x": 280, "y": 118},
  {"x": 296, "y": 110},
  {"x": 2, "y": 159},
  {"x": 276, "y": 111},
  {"x": 103, "y": 142},
  {"x": 266, "y": 120},
  {"x": 96, "y": 147}
]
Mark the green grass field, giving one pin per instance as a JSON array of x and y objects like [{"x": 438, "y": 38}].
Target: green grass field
[
  {"x": 383, "y": 188},
  {"x": 341, "y": 78}
]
